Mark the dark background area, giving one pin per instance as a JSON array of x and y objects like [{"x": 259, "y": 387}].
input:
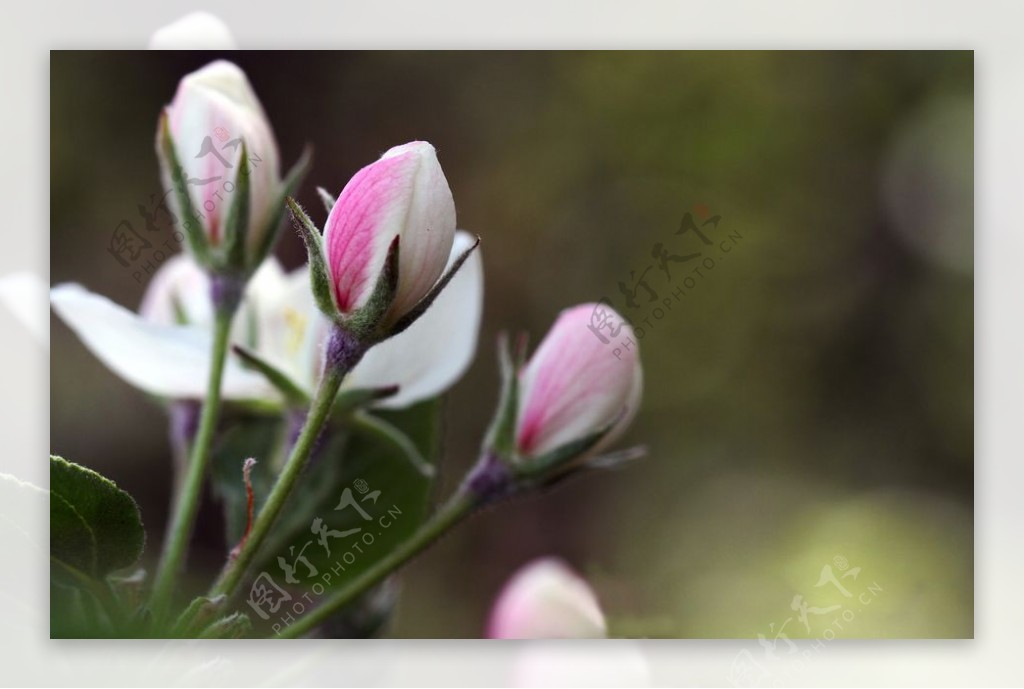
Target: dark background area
[{"x": 808, "y": 402}]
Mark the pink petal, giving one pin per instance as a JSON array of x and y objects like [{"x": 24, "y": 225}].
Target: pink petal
[
  {"x": 546, "y": 600},
  {"x": 575, "y": 384},
  {"x": 404, "y": 194}
]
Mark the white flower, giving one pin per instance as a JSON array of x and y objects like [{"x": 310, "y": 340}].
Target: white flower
[{"x": 165, "y": 349}]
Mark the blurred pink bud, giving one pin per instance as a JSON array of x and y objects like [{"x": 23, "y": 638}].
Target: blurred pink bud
[
  {"x": 546, "y": 600},
  {"x": 213, "y": 112},
  {"x": 579, "y": 381},
  {"x": 194, "y": 31},
  {"x": 404, "y": 194}
]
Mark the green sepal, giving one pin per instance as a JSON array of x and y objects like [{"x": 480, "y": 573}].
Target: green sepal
[
  {"x": 288, "y": 188},
  {"x": 327, "y": 199},
  {"x": 293, "y": 394},
  {"x": 349, "y": 401},
  {"x": 236, "y": 225},
  {"x": 235, "y": 626},
  {"x": 129, "y": 588},
  {"x": 319, "y": 273},
  {"x": 197, "y": 616},
  {"x": 609, "y": 462},
  {"x": 409, "y": 318},
  {"x": 174, "y": 173},
  {"x": 539, "y": 470},
  {"x": 500, "y": 438},
  {"x": 365, "y": 322}
]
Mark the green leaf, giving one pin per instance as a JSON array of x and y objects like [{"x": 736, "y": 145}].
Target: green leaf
[
  {"x": 385, "y": 432},
  {"x": 95, "y": 527},
  {"x": 72, "y": 542}
]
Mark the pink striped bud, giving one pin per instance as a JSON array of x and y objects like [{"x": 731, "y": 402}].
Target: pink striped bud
[
  {"x": 213, "y": 112},
  {"x": 577, "y": 383},
  {"x": 405, "y": 195},
  {"x": 546, "y": 600}
]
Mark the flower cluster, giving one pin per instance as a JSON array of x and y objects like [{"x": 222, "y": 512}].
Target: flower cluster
[{"x": 385, "y": 314}]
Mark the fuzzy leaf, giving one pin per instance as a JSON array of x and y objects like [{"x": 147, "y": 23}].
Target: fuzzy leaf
[{"x": 95, "y": 526}]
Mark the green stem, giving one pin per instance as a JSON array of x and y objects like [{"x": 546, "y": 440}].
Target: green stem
[
  {"x": 186, "y": 505},
  {"x": 318, "y": 414},
  {"x": 457, "y": 508}
]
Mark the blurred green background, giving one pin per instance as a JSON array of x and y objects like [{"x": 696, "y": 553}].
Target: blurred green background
[{"x": 808, "y": 402}]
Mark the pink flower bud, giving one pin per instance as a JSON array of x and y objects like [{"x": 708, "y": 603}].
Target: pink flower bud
[
  {"x": 404, "y": 194},
  {"x": 213, "y": 111},
  {"x": 579, "y": 381},
  {"x": 546, "y": 600}
]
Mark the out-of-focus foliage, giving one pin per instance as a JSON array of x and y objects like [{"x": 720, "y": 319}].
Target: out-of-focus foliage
[{"x": 809, "y": 400}]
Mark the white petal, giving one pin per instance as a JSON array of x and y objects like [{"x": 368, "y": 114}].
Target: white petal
[
  {"x": 194, "y": 31},
  {"x": 179, "y": 284},
  {"x": 577, "y": 381},
  {"x": 292, "y": 331},
  {"x": 435, "y": 351},
  {"x": 24, "y": 293},
  {"x": 164, "y": 360}
]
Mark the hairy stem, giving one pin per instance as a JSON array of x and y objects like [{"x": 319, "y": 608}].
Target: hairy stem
[
  {"x": 318, "y": 414},
  {"x": 179, "y": 529},
  {"x": 342, "y": 352}
]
